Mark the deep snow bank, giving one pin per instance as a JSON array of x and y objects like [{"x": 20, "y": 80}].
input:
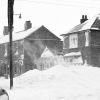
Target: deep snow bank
[
  {"x": 79, "y": 75},
  {"x": 61, "y": 82}
]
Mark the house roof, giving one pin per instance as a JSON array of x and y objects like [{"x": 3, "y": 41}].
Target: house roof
[
  {"x": 21, "y": 35},
  {"x": 18, "y": 35},
  {"x": 93, "y": 23}
]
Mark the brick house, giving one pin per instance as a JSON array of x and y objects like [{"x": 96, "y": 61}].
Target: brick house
[
  {"x": 28, "y": 45},
  {"x": 85, "y": 38}
]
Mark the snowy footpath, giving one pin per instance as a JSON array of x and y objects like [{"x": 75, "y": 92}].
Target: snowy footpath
[{"x": 61, "y": 82}]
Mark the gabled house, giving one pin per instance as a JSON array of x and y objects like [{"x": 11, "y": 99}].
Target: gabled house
[
  {"x": 85, "y": 38},
  {"x": 28, "y": 45}
]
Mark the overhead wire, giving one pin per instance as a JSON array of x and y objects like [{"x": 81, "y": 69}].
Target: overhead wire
[{"x": 63, "y": 3}]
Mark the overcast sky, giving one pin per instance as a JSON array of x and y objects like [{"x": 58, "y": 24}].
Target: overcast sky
[{"x": 59, "y": 16}]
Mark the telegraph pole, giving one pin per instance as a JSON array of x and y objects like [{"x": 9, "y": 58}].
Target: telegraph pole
[{"x": 10, "y": 28}]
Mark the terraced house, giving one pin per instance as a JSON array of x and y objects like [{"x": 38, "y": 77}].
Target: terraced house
[
  {"x": 85, "y": 38},
  {"x": 28, "y": 45}
]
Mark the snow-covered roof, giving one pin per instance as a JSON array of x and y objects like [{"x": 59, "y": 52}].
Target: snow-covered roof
[
  {"x": 93, "y": 23},
  {"x": 18, "y": 36},
  {"x": 47, "y": 53},
  {"x": 73, "y": 54}
]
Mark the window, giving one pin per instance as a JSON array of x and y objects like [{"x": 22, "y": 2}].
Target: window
[
  {"x": 87, "y": 38},
  {"x": 5, "y": 55},
  {"x": 65, "y": 42},
  {"x": 16, "y": 47},
  {"x": 73, "y": 41}
]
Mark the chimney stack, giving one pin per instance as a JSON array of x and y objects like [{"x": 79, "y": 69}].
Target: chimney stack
[
  {"x": 5, "y": 30},
  {"x": 27, "y": 25},
  {"x": 84, "y": 18}
]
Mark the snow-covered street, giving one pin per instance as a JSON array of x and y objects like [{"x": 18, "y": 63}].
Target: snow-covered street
[{"x": 61, "y": 82}]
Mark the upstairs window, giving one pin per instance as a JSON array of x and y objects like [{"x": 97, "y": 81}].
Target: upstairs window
[
  {"x": 5, "y": 55},
  {"x": 16, "y": 47},
  {"x": 87, "y": 38},
  {"x": 73, "y": 41},
  {"x": 65, "y": 42}
]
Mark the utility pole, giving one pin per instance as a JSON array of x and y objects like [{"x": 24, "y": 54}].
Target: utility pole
[{"x": 10, "y": 28}]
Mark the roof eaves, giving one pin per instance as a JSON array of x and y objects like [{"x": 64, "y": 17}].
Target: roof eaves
[{"x": 18, "y": 35}]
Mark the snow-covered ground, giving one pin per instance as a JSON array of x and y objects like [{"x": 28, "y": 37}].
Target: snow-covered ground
[{"x": 61, "y": 82}]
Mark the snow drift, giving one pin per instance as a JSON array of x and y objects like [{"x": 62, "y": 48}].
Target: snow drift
[{"x": 61, "y": 82}]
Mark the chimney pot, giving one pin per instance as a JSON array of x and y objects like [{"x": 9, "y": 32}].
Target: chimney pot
[{"x": 84, "y": 18}]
